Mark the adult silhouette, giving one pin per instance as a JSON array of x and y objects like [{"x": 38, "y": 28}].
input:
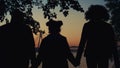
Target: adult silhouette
[
  {"x": 16, "y": 43},
  {"x": 98, "y": 39},
  {"x": 54, "y": 50}
]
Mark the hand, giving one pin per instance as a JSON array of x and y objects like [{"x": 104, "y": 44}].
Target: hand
[
  {"x": 117, "y": 65},
  {"x": 77, "y": 67},
  {"x": 77, "y": 62},
  {"x": 32, "y": 67}
]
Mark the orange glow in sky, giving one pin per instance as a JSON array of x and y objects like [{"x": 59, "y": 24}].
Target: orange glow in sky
[
  {"x": 72, "y": 24},
  {"x": 71, "y": 29}
]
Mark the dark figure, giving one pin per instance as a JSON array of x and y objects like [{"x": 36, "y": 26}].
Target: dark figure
[
  {"x": 16, "y": 43},
  {"x": 54, "y": 49},
  {"x": 97, "y": 39}
]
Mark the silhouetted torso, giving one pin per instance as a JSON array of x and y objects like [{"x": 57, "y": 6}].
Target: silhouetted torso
[
  {"x": 54, "y": 51},
  {"x": 16, "y": 46},
  {"x": 99, "y": 43},
  {"x": 100, "y": 39}
]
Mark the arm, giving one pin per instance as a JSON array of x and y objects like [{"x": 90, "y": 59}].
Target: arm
[
  {"x": 32, "y": 52},
  {"x": 81, "y": 45},
  {"x": 116, "y": 57},
  {"x": 40, "y": 53},
  {"x": 69, "y": 54},
  {"x": 115, "y": 51}
]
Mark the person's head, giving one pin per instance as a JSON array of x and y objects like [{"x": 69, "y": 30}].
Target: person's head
[
  {"x": 97, "y": 12},
  {"x": 17, "y": 16},
  {"x": 54, "y": 26}
]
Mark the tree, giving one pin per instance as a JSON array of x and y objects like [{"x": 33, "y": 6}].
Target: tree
[
  {"x": 114, "y": 9},
  {"x": 25, "y": 6}
]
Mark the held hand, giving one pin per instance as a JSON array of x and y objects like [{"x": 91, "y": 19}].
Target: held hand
[
  {"x": 33, "y": 67},
  {"x": 77, "y": 63},
  {"x": 77, "y": 67},
  {"x": 117, "y": 64}
]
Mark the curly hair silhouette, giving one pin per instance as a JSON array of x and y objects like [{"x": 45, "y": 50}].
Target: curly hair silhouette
[{"x": 97, "y": 12}]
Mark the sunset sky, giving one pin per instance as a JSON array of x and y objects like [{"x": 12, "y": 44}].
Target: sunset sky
[{"x": 72, "y": 24}]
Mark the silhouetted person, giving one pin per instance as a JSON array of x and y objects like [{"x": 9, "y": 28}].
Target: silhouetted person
[
  {"x": 54, "y": 50},
  {"x": 98, "y": 39},
  {"x": 16, "y": 43}
]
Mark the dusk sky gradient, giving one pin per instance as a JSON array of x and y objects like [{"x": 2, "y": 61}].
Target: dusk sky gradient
[{"x": 72, "y": 24}]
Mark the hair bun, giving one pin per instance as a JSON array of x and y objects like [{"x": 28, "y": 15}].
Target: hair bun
[{"x": 53, "y": 23}]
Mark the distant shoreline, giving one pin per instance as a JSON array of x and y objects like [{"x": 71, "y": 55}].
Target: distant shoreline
[{"x": 74, "y": 48}]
